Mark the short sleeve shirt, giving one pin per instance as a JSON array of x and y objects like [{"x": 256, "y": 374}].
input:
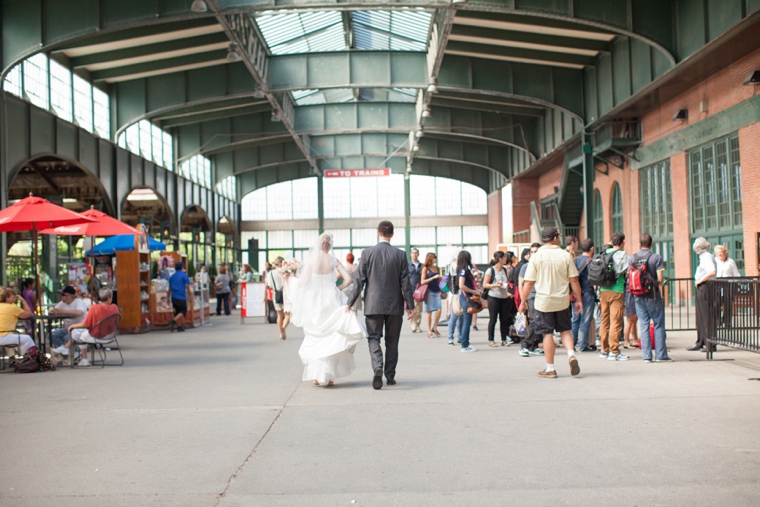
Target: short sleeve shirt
[
  {"x": 551, "y": 268},
  {"x": 78, "y": 305},
  {"x": 581, "y": 264},
  {"x": 95, "y": 315},
  {"x": 177, "y": 283},
  {"x": 523, "y": 270},
  {"x": 706, "y": 266},
  {"x": 468, "y": 282},
  {"x": 9, "y": 317},
  {"x": 654, "y": 266}
]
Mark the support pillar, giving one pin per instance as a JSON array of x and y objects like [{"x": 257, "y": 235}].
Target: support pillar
[
  {"x": 320, "y": 203},
  {"x": 407, "y": 214},
  {"x": 494, "y": 221},
  {"x": 588, "y": 186}
]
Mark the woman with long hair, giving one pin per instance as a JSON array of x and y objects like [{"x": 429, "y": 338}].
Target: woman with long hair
[
  {"x": 467, "y": 289},
  {"x": 351, "y": 268},
  {"x": 431, "y": 276},
  {"x": 500, "y": 301}
]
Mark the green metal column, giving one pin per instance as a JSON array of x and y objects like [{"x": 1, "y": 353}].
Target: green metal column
[
  {"x": 320, "y": 204},
  {"x": 588, "y": 186},
  {"x": 407, "y": 213}
]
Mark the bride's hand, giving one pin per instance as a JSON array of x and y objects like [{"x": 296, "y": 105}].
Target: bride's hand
[{"x": 348, "y": 308}]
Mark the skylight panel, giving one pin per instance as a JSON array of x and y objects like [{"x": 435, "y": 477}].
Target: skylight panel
[
  {"x": 329, "y": 96},
  {"x": 404, "y": 30},
  {"x": 302, "y": 32}
]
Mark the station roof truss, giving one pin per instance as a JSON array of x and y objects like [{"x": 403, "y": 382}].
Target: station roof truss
[{"x": 452, "y": 85}]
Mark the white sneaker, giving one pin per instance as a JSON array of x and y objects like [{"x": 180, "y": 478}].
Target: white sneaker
[
  {"x": 84, "y": 363},
  {"x": 63, "y": 350},
  {"x": 468, "y": 349}
]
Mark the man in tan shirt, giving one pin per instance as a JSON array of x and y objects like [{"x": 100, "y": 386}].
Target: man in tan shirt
[{"x": 552, "y": 271}]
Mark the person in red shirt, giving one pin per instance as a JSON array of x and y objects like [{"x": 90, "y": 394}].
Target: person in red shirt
[{"x": 89, "y": 331}]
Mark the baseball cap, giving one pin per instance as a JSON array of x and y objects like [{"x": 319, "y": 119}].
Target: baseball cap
[
  {"x": 68, "y": 290},
  {"x": 549, "y": 233},
  {"x": 178, "y": 265}
]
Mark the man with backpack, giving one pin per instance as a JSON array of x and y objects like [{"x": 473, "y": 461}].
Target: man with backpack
[
  {"x": 645, "y": 275},
  {"x": 607, "y": 271},
  {"x": 582, "y": 320}
]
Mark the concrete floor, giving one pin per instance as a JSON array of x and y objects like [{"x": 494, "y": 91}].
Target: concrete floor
[{"x": 219, "y": 416}]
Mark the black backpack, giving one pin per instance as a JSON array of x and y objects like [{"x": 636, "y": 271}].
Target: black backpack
[{"x": 601, "y": 270}]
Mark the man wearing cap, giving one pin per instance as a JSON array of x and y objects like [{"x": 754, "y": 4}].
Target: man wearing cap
[
  {"x": 179, "y": 288},
  {"x": 70, "y": 304},
  {"x": 552, "y": 271}
]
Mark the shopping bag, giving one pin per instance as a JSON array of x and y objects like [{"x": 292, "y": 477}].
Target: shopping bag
[{"x": 521, "y": 325}]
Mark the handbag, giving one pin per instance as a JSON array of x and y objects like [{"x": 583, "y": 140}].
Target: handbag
[
  {"x": 277, "y": 293},
  {"x": 476, "y": 305},
  {"x": 456, "y": 307},
  {"x": 28, "y": 364},
  {"x": 444, "y": 285},
  {"x": 420, "y": 293}
]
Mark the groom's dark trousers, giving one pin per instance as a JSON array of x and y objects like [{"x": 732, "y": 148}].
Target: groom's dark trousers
[{"x": 392, "y": 324}]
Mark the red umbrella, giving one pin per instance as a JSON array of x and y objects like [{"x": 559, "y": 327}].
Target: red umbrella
[
  {"x": 103, "y": 225},
  {"x": 35, "y": 213}
]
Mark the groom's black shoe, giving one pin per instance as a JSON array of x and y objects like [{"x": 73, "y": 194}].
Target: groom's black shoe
[
  {"x": 391, "y": 382},
  {"x": 377, "y": 381}
]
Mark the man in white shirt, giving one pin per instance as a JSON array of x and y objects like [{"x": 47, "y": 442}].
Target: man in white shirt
[{"x": 70, "y": 304}]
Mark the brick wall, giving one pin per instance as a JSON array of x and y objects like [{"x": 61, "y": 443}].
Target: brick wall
[
  {"x": 494, "y": 220},
  {"x": 679, "y": 180},
  {"x": 549, "y": 180},
  {"x": 749, "y": 152},
  {"x": 524, "y": 191}
]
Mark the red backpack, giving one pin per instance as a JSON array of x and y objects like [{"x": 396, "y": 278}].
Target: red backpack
[{"x": 640, "y": 280}]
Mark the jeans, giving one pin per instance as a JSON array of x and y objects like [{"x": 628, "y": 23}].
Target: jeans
[
  {"x": 223, "y": 297},
  {"x": 60, "y": 337},
  {"x": 455, "y": 323},
  {"x": 582, "y": 321},
  {"x": 597, "y": 319},
  {"x": 466, "y": 323},
  {"x": 651, "y": 310}
]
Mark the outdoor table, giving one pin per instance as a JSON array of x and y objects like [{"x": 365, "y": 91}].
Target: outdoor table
[{"x": 49, "y": 319}]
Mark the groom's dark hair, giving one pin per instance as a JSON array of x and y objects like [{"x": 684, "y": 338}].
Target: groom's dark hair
[{"x": 385, "y": 228}]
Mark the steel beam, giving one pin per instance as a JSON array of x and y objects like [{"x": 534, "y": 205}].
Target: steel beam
[
  {"x": 158, "y": 67},
  {"x": 241, "y": 30},
  {"x": 539, "y": 57},
  {"x": 514, "y": 38}
]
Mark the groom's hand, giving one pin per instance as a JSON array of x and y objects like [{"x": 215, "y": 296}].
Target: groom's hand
[{"x": 409, "y": 314}]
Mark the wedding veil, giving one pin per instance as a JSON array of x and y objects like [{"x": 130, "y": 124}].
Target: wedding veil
[{"x": 306, "y": 293}]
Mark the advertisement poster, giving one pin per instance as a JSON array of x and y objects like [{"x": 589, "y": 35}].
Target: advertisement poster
[{"x": 252, "y": 298}]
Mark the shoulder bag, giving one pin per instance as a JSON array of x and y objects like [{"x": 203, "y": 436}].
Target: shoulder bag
[{"x": 277, "y": 292}]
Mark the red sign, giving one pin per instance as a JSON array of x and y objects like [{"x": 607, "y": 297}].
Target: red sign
[{"x": 357, "y": 173}]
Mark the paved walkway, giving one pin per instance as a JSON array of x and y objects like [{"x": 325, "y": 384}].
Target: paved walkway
[{"x": 219, "y": 416}]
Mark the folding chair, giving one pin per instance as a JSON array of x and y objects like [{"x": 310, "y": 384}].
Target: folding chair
[
  {"x": 101, "y": 343},
  {"x": 16, "y": 346}
]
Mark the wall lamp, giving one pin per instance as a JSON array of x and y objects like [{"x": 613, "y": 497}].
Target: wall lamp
[
  {"x": 276, "y": 115},
  {"x": 426, "y": 113},
  {"x": 259, "y": 93},
  {"x": 198, "y": 6},
  {"x": 682, "y": 114},
  {"x": 232, "y": 52},
  {"x": 432, "y": 87},
  {"x": 753, "y": 78}
]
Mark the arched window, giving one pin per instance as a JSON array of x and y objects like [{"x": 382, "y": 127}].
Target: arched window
[
  {"x": 617, "y": 209},
  {"x": 598, "y": 219}
]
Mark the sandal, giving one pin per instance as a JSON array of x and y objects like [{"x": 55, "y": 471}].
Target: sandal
[
  {"x": 504, "y": 344},
  {"x": 435, "y": 331},
  {"x": 492, "y": 344},
  {"x": 430, "y": 334}
]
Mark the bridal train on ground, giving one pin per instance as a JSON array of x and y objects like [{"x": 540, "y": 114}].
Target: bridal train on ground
[{"x": 318, "y": 306}]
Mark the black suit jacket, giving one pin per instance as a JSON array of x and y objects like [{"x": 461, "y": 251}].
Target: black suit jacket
[{"x": 383, "y": 274}]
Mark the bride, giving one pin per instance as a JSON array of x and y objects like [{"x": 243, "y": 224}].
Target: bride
[{"x": 319, "y": 307}]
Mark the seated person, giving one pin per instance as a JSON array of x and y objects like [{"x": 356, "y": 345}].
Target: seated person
[
  {"x": 69, "y": 304},
  {"x": 9, "y": 315},
  {"x": 89, "y": 331},
  {"x": 83, "y": 296}
]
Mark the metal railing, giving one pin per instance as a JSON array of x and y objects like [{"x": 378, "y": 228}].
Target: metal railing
[
  {"x": 734, "y": 319},
  {"x": 521, "y": 236},
  {"x": 678, "y": 296}
]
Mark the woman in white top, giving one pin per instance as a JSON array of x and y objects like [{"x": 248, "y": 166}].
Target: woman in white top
[
  {"x": 500, "y": 301},
  {"x": 726, "y": 265}
]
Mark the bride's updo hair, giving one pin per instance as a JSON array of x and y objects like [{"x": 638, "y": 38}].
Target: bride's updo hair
[
  {"x": 326, "y": 242},
  {"x": 385, "y": 228}
]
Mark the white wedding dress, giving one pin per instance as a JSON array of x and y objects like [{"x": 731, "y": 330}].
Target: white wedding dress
[{"x": 319, "y": 308}]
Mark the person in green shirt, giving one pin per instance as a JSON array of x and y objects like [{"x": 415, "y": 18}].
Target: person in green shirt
[{"x": 612, "y": 303}]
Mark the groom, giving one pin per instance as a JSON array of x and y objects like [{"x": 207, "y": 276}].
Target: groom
[{"x": 384, "y": 272}]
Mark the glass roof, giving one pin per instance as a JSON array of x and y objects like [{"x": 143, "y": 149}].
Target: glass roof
[
  {"x": 314, "y": 31},
  {"x": 338, "y": 95},
  {"x": 404, "y": 30}
]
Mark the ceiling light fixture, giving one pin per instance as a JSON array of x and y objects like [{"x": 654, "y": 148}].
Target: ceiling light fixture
[
  {"x": 232, "y": 52},
  {"x": 432, "y": 88},
  {"x": 408, "y": 168},
  {"x": 418, "y": 134},
  {"x": 198, "y": 6},
  {"x": 426, "y": 113},
  {"x": 259, "y": 93},
  {"x": 416, "y": 147},
  {"x": 682, "y": 114},
  {"x": 753, "y": 78},
  {"x": 276, "y": 115}
]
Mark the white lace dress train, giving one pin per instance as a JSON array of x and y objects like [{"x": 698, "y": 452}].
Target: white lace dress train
[{"x": 330, "y": 333}]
